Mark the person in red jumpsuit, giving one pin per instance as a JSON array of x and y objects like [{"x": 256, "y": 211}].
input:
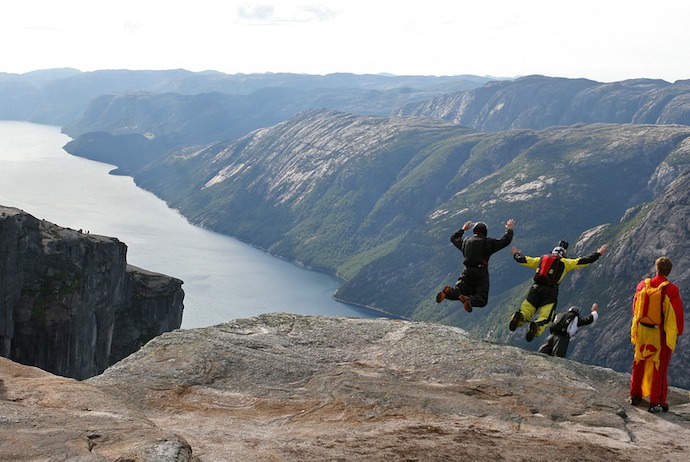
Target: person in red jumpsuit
[{"x": 655, "y": 343}]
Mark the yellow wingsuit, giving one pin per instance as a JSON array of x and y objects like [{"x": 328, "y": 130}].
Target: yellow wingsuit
[{"x": 546, "y": 310}]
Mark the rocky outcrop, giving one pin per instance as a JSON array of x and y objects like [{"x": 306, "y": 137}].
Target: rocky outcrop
[
  {"x": 49, "y": 418},
  {"x": 70, "y": 304},
  {"x": 155, "y": 305},
  {"x": 285, "y": 387}
]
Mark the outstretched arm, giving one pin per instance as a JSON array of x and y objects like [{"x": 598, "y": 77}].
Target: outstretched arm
[
  {"x": 593, "y": 316},
  {"x": 584, "y": 261},
  {"x": 456, "y": 238},
  {"x": 507, "y": 238},
  {"x": 524, "y": 260}
]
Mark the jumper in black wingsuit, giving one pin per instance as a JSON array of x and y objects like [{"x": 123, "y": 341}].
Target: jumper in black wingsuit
[{"x": 472, "y": 287}]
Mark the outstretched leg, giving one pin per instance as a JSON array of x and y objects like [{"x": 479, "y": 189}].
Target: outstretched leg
[
  {"x": 523, "y": 315},
  {"x": 454, "y": 293},
  {"x": 560, "y": 347},
  {"x": 479, "y": 296},
  {"x": 547, "y": 348},
  {"x": 449, "y": 293},
  {"x": 546, "y": 313}
]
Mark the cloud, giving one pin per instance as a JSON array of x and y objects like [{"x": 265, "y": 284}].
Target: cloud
[
  {"x": 284, "y": 13},
  {"x": 132, "y": 27},
  {"x": 256, "y": 13},
  {"x": 323, "y": 13}
]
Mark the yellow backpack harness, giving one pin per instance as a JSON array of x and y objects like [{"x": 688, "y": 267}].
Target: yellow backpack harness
[{"x": 649, "y": 305}]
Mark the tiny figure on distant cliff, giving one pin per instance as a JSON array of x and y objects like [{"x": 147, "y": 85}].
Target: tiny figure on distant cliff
[
  {"x": 656, "y": 324},
  {"x": 550, "y": 269},
  {"x": 564, "y": 327},
  {"x": 472, "y": 287}
]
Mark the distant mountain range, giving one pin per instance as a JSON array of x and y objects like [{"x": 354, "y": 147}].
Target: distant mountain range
[
  {"x": 368, "y": 178},
  {"x": 539, "y": 102},
  {"x": 60, "y": 96}
]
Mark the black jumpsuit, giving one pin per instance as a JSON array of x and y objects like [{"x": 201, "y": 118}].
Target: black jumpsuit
[{"x": 474, "y": 280}]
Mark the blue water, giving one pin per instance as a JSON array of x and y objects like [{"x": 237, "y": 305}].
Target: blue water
[{"x": 223, "y": 278}]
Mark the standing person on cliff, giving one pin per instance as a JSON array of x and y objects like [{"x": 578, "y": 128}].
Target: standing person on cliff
[
  {"x": 550, "y": 269},
  {"x": 472, "y": 287},
  {"x": 657, "y": 322}
]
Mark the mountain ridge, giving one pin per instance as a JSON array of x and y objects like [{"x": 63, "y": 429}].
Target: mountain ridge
[{"x": 538, "y": 102}]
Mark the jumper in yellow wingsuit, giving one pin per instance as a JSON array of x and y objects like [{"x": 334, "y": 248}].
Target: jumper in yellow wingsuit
[
  {"x": 550, "y": 269},
  {"x": 657, "y": 321}
]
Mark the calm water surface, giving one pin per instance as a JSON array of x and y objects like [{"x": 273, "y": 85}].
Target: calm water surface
[{"x": 223, "y": 278}]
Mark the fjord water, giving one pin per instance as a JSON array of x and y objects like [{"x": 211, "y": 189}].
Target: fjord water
[{"x": 223, "y": 278}]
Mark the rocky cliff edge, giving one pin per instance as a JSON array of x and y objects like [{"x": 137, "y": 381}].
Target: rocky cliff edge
[
  {"x": 69, "y": 302},
  {"x": 285, "y": 387}
]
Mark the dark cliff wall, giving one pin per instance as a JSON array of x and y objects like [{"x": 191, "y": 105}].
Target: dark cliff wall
[
  {"x": 154, "y": 306},
  {"x": 70, "y": 304}
]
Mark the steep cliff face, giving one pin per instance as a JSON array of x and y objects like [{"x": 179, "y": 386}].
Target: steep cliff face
[
  {"x": 154, "y": 306},
  {"x": 69, "y": 303}
]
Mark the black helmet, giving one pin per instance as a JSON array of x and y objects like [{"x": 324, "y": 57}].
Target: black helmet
[
  {"x": 563, "y": 244},
  {"x": 480, "y": 228}
]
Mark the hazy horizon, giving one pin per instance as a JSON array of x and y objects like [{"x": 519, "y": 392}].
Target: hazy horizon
[{"x": 601, "y": 41}]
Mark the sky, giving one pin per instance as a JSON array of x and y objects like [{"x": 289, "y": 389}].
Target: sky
[{"x": 602, "y": 40}]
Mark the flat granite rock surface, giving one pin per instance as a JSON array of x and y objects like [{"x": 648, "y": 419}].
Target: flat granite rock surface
[{"x": 284, "y": 387}]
